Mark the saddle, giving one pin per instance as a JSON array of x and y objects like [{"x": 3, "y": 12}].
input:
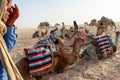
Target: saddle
[
  {"x": 103, "y": 43},
  {"x": 40, "y": 58}
]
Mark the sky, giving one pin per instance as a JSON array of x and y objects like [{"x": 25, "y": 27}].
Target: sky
[{"x": 32, "y": 12}]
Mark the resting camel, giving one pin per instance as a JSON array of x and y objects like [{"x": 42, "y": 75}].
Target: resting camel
[
  {"x": 91, "y": 50},
  {"x": 61, "y": 60},
  {"x": 93, "y": 46}
]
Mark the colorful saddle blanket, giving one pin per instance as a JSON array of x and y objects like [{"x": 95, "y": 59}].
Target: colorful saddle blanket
[
  {"x": 39, "y": 59},
  {"x": 103, "y": 43},
  {"x": 46, "y": 42}
]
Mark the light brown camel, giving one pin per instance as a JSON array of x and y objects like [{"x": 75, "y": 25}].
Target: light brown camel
[
  {"x": 100, "y": 30},
  {"x": 93, "y": 22},
  {"x": 61, "y": 59},
  {"x": 43, "y": 33},
  {"x": 108, "y": 24},
  {"x": 103, "y": 21}
]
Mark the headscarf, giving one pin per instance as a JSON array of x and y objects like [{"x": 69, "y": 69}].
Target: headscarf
[
  {"x": 2, "y": 25},
  {"x": 10, "y": 67}
]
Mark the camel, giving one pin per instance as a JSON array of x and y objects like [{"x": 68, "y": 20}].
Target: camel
[
  {"x": 93, "y": 22},
  {"x": 100, "y": 31},
  {"x": 107, "y": 22},
  {"x": 61, "y": 60},
  {"x": 39, "y": 33},
  {"x": 92, "y": 27},
  {"x": 104, "y": 22},
  {"x": 92, "y": 48},
  {"x": 59, "y": 63}
]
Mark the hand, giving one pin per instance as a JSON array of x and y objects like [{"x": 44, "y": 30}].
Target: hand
[{"x": 13, "y": 16}]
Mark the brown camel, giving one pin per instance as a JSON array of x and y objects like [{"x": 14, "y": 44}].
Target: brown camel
[
  {"x": 77, "y": 42},
  {"x": 40, "y": 33},
  {"x": 59, "y": 63},
  {"x": 61, "y": 59}
]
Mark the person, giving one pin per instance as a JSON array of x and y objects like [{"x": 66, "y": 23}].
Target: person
[{"x": 9, "y": 16}]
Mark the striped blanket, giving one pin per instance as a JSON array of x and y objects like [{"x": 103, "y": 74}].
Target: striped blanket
[
  {"x": 103, "y": 43},
  {"x": 39, "y": 59}
]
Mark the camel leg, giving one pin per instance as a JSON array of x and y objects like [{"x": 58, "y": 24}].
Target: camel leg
[{"x": 60, "y": 62}]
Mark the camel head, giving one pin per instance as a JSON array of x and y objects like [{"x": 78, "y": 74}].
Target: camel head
[
  {"x": 93, "y": 22},
  {"x": 100, "y": 30},
  {"x": 107, "y": 22}
]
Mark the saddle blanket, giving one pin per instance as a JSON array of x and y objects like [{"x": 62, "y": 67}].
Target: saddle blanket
[
  {"x": 103, "y": 43},
  {"x": 39, "y": 59}
]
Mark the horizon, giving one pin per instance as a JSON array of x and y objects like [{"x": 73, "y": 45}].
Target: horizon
[{"x": 33, "y": 12}]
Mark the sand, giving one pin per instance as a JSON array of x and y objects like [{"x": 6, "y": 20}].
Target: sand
[{"x": 107, "y": 69}]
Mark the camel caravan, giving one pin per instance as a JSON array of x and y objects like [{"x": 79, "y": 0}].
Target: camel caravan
[{"x": 61, "y": 48}]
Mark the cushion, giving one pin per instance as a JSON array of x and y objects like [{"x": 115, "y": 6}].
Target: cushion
[
  {"x": 39, "y": 59},
  {"x": 103, "y": 43}
]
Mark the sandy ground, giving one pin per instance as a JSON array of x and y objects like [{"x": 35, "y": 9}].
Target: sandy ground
[{"x": 107, "y": 69}]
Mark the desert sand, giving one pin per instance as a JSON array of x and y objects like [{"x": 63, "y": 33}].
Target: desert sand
[{"x": 106, "y": 69}]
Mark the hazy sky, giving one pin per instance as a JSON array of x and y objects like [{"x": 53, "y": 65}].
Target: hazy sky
[{"x": 32, "y": 12}]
